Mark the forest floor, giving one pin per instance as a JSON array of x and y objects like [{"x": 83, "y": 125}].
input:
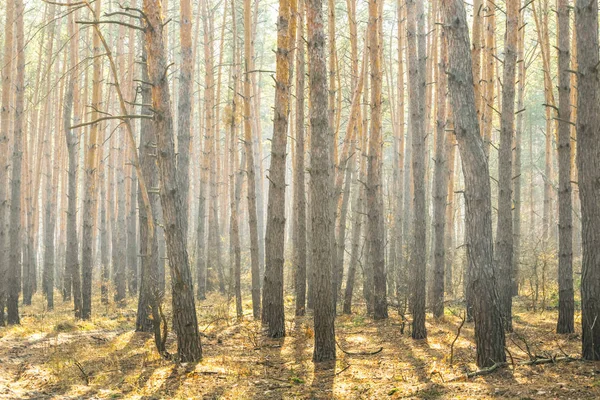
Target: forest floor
[{"x": 52, "y": 356}]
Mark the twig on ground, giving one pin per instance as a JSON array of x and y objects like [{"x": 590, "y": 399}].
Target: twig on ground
[{"x": 359, "y": 353}]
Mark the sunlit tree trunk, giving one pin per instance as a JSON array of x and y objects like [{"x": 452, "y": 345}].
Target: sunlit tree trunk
[
  {"x": 489, "y": 333},
  {"x": 4, "y": 151},
  {"x": 91, "y": 178},
  {"x": 321, "y": 181},
  {"x": 440, "y": 184},
  {"x": 272, "y": 310},
  {"x": 504, "y": 234},
  {"x": 72, "y": 257},
  {"x": 14, "y": 259},
  {"x": 374, "y": 170},
  {"x": 184, "y": 113},
  {"x": 185, "y": 322},
  {"x": 415, "y": 19},
  {"x": 300, "y": 248},
  {"x": 251, "y": 187},
  {"x": 566, "y": 304}
]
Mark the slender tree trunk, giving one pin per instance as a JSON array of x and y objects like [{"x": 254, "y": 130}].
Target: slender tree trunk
[
  {"x": 374, "y": 172},
  {"x": 566, "y": 305},
  {"x": 300, "y": 248},
  {"x": 4, "y": 152},
  {"x": 321, "y": 186},
  {"x": 517, "y": 163},
  {"x": 72, "y": 257},
  {"x": 504, "y": 234},
  {"x": 588, "y": 164},
  {"x": 14, "y": 259},
  {"x": 272, "y": 310},
  {"x": 184, "y": 313},
  {"x": 489, "y": 333},
  {"x": 151, "y": 285},
  {"x": 91, "y": 178},
  {"x": 440, "y": 184},
  {"x": 184, "y": 113},
  {"x": 415, "y": 19},
  {"x": 252, "y": 213}
]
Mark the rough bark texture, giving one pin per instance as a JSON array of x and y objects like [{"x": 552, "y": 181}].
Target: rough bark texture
[
  {"x": 14, "y": 259},
  {"x": 184, "y": 111},
  {"x": 566, "y": 304},
  {"x": 321, "y": 192},
  {"x": 91, "y": 178},
  {"x": 440, "y": 186},
  {"x": 299, "y": 172},
  {"x": 151, "y": 290},
  {"x": 416, "y": 74},
  {"x": 73, "y": 283},
  {"x": 374, "y": 172},
  {"x": 4, "y": 151},
  {"x": 251, "y": 186},
  {"x": 184, "y": 312},
  {"x": 273, "y": 313},
  {"x": 504, "y": 233},
  {"x": 588, "y": 164},
  {"x": 489, "y": 333}
]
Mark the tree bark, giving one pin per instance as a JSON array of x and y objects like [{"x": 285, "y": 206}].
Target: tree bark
[
  {"x": 504, "y": 233},
  {"x": 566, "y": 306},
  {"x": 4, "y": 152},
  {"x": 374, "y": 171},
  {"x": 251, "y": 186},
  {"x": 489, "y": 333},
  {"x": 440, "y": 184},
  {"x": 185, "y": 106},
  {"x": 588, "y": 164},
  {"x": 272, "y": 311},
  {"x": 184, "y": 313},
  {"x": 415, "y": 20},
  {"x": 321, "y": 192},
  {"x": 14, "y": 259},
  {"x": 300, "y": 248}
]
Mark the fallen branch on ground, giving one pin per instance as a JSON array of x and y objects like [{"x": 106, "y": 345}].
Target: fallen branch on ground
[
  {"x": 496, "y": 366},
  {"x": 359, "y": 353}
]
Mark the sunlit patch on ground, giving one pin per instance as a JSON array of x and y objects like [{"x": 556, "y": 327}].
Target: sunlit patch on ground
[{"x": 52, "y": 356}]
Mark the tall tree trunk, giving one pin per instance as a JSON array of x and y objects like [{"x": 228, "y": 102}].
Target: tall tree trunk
[
  {"x": 588, "y": 164},
  {"x": 489, "y": 333},
  {"x": 504, "y": 233},
  {"x": 566, "y": 304},
  {"x": 185, "y": 106},
  {"x": 374, "y": 172},
  {"x": 321, "y": 186},
  {"x": 91, "y": 178},
  {"x": 415, "y": 20},
  {"x": 4, "y": 151},
  {"x": 300, "y": 249},
  {"x": 14, "y": 259},
  {"x": 184, "y": 313},
  {"x": 440, "y": 184},
  {"x": 236, "y": 175},
  {"x": 517, "y": 163},
  {"x": 151, "y": 286},
  {"x": 272, "y": 311},
  {"x": 72, "y": 257},
  {"x": 251, "y": 186}
]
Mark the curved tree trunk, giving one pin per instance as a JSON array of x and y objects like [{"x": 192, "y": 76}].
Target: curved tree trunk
[
  {"x": 489, "y": 332},
  {"x": 184, "y": 312}
]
